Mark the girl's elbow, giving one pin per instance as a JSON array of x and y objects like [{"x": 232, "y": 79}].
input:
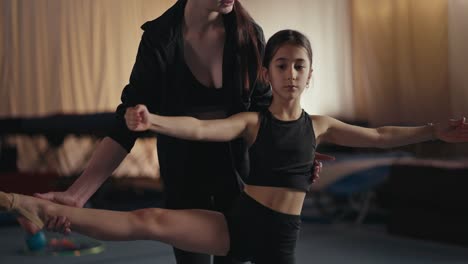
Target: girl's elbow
[
  {"x": 382, "y": 142},
  {"x": 203, "y": 132},
  {"x": 382, "y": 139},
  {"x": 198, "y": 134}
]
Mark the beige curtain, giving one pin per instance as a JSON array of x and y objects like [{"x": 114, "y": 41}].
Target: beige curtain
[
  {"x": 400, "y": 60},
  {"x": 76, "y": 55},
  {"x": 458, "y": 55},
  {"x": 69, "y": 55},
  {"x": 458, "y": 61}
]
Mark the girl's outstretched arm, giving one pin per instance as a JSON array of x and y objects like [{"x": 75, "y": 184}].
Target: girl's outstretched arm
[
  {"x": 334, "y": 131},
  {"x": 139, "y": 119}
]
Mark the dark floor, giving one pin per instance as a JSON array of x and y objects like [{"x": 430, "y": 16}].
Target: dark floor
[{"x": 318, "y": 243}]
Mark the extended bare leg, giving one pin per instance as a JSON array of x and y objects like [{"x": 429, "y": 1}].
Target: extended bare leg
[{"x": 200, "y": 231}]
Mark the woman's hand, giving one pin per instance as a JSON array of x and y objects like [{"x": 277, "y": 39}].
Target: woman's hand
[
  {"x": 137, "y": 118},
  {"x": 57, "y": 223},
  {"x": 318, "y": 165},
  {"x": 452, "y": 131}
]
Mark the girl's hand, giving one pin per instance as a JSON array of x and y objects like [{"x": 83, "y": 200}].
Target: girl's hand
[
  {"x": 137, "y": 118},
  {"x": 452, "y": 131}
]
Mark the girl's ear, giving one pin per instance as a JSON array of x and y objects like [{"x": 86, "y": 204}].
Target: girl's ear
[
  {"x": 310, "y": 75},
  {"x": 265, "y": 74}
]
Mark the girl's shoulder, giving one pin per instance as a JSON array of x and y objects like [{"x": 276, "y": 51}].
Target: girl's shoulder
[{"x": 319, "y": 118}]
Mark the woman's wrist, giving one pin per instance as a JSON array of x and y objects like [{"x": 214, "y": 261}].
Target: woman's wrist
[
  {"x": 73, "y": 192},
  {"x": 153, "y": 121}
]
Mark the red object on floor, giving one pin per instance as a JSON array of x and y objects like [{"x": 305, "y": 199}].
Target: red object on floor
[{"x": 28, "y": 182}]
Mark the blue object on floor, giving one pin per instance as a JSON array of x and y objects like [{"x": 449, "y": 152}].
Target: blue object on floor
[{"x": 37, "y": 241}]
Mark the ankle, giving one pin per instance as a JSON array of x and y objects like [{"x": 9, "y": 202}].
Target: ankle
[{"x": 47, "y": 209}]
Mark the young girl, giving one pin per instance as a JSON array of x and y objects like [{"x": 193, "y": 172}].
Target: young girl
[{"x": 263, "y": 224}]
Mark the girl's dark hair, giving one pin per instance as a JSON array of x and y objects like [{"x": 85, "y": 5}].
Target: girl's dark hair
[
  {"x": 247, "y": 42},
  {"x": 283, "y": 37}
]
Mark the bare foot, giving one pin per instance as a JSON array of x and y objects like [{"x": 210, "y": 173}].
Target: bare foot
[
  {"x": 30, "y": 210},
  {"x": 43, "y": 210}
]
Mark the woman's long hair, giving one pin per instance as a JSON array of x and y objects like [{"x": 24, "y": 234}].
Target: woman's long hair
[{"x": 247, "y": 42}]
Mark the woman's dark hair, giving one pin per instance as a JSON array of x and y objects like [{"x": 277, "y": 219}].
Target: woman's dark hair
[
  {"x": 283, "y": 37},
  {"x": 247, "y": 42}
]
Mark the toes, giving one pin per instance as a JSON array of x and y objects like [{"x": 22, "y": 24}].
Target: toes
[{"x": 6, "y": 201}]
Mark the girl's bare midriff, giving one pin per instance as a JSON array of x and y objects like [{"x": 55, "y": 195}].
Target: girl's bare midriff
[{"x": 283, "y": 200}]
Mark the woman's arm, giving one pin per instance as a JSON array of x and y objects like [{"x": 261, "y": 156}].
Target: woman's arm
[
  {"x": 334, "y": 131},
  {"x": 139, "y": 119},
  {"x": 105, "y": 159}
]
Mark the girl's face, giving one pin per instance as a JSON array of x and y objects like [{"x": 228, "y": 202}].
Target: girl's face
[{"x": 289, "y": 72}]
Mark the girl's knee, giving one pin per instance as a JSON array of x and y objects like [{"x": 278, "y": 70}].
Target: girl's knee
[{"x": 151, "y": 222}]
